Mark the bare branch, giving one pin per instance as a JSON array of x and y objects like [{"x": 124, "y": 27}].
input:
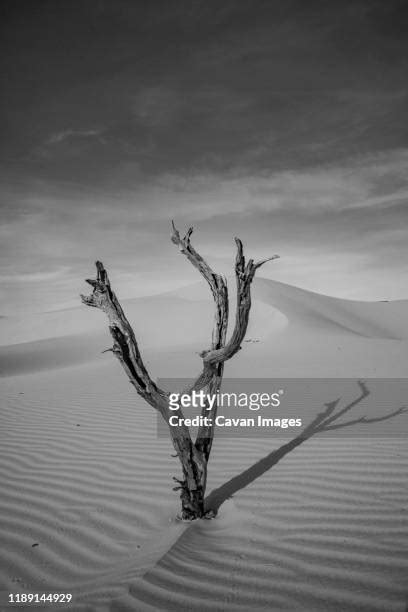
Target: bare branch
[
  {"x": 214, "y": 358},
  {"x": 217, "y": 283},
  {"x": 244, "y": 274},
  {"x": 125, "y": 346},
  {"x": 263, "y": 261},
  {"x": 212, "y": 375}
]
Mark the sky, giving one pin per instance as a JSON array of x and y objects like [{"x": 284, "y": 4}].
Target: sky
[{"x": 281, "y": 122}]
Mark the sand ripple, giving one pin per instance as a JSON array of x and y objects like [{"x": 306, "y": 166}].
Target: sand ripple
[{"x": 83, "y": 476}]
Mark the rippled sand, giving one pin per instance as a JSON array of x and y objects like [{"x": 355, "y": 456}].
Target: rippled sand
[{"x": 87, "y": 505}]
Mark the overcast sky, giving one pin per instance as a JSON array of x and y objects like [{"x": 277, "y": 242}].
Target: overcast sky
[{"x": 283, "y": 122}]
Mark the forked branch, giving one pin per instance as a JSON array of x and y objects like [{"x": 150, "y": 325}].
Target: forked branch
[
  {"x": 244, "y": 275},
  {"x": 126, "y": 349},
  {"x": 220, "y": 351},
  {"x": 213, "y": 376},
  {"x": 217, "y": 283}
]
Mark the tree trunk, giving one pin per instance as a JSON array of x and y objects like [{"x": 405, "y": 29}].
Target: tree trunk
[
  {"x": 193, "y": 484},
  {"x": 192, "y": 496}
]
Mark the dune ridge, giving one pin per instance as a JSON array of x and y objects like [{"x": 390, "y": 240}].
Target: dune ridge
[{"x": 282, "y": 316}]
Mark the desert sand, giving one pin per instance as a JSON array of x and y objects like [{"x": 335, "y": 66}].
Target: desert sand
[{"x": 87, "y": 505}]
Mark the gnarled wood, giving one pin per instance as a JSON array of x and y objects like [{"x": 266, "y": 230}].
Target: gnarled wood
[
  {"x": 217, "y": 283},
  {"x": 193, "y": 456},
  {"x": 219, "y": 290},
  {"x": 126, "y": 349},
  {"x": 244, "y": 275}
]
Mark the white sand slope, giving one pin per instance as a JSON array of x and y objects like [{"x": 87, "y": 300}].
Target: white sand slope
[
  {"x": 84, "y": 478},
  {"x": 300, "y": 333}
]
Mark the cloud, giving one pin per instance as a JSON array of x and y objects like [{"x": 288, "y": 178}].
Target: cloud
[
  {"x": 283, "y": 123},
  {"x": 156, "y": 106},
  {"x": 58, "y": 137},
  {"x": 372, "y": 181},
  {"x": 35, "y": 277}
]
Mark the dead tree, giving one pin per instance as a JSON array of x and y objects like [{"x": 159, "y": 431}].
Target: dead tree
[{"x": 193, "y": 455}]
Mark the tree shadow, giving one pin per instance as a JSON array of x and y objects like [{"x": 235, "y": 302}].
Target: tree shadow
[{"x": 323, "y": 422}]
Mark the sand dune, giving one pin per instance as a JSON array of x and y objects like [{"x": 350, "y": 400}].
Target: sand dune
[
  {"x": 150, "y": 315},
  {"x": 306, "y": 308},
  {"x": 173, "y": 318},
  {"x": 287, "y": 321},
  {"x": 87, "y": 505}
]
